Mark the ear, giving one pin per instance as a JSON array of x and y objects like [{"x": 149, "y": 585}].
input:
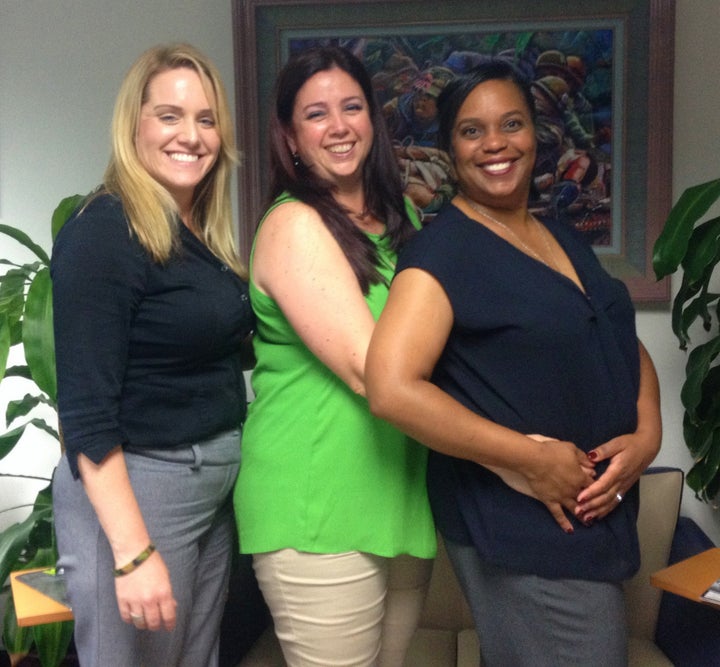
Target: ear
[{"x": 291, "y": 144}]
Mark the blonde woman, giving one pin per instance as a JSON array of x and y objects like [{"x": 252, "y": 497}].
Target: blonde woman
[{"x": 151, "y": 307}]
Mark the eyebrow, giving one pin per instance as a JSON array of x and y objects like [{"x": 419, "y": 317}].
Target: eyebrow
[
  {"x": 507, "y": 114},
  {"x": 345, "y": 100},
  {"x": 176, "y": 108}
]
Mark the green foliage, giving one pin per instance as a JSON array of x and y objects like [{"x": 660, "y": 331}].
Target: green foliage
[
  {"x": 695, "y": 245},
  {"x": 26, "y": 322}
]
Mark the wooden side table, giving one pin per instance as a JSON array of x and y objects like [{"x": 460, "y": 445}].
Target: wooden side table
[
  {"x": 691, "y": 577},
  {"x": 34, "y": 608}
]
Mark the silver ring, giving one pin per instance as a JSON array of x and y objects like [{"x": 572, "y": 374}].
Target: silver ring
[
  {"x": 137, "y": 617},
  {"x": 618, "y": 497}
]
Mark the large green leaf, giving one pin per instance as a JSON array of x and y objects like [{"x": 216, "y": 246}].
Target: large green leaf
[
  {"x": 19, "y": 537},
  {"x": 695, "y": 281},
  {"x": 38, "y": 337},
  {"x": 671, "y": 246},
  {"x": 680, "y": 321},
  {"x": 697, "y": 308},
  {"x": 9, "y": 439},
  {"x": 697, "y": 436},
  {"x": 4, "y": 344},
  {"x": 703, "y": 476},
  {"x": 52, "y": 641},
  {"x": 22, "y": 238},
  {"x": 63, "y": 211},
  {"x": 696, "y": 370},
  {"x": 18, "y": 372},
  {"x": 12, "y": 542},
  {"x": 17, "y": 640},
  {"x": 20, "y": 408},
  {"x": 12, "y": 301},
  {"x": 702, "y": 251},
  {"x": 698, "y": 432}
]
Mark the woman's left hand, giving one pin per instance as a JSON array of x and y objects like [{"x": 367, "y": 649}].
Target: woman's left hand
[{"x": 629, "y": 456}]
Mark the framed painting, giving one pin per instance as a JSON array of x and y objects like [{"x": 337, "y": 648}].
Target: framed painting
[{"x": 601, "y": 75}]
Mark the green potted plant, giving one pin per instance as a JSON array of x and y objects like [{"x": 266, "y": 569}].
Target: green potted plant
[
  {"x": 26, "y": 324},
  {"x": 696, "y": 247}
]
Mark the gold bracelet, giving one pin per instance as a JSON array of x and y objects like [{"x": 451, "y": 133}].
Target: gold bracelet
[{"x": 135, "y": 562}]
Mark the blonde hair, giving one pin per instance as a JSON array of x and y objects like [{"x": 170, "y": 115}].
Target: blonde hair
[{"x": 151, "y": 210}]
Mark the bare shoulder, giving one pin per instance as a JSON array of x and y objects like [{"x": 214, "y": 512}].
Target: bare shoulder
[
  {"x": 293, "y": 221},
  {"x": 293, "y": 245}
]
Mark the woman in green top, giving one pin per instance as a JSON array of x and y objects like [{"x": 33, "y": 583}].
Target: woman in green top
[{"x": 330, "y": 500}]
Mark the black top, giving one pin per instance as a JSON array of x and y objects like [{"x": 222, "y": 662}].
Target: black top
[
  {"x": 147, "y": 354},
  {"x": 530, "y": 351}
]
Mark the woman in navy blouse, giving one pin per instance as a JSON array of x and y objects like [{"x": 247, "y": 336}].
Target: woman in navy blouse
[
  {"x": 503, "y": 332},
  {"x": 151, "y": 308}
]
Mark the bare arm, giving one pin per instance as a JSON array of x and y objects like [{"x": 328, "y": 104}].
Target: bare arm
[
  {"x": 300, "y": 265},
  {"x": 147, "y": 590},
  {"x": 629, "y": 454},
  {"x": 408, "y": 340}
]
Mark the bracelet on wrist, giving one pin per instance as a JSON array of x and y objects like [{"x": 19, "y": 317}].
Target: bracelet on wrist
[{"x": 135, "y": 562}]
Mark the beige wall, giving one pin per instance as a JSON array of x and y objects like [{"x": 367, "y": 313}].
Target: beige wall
[{"x": 60, "y": 66}]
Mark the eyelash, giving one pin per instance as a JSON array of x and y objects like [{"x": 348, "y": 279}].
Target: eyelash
[
  {"x": 511, "y": 125},
  {"x": 170, "y": 119},
  {"x": 354, "y": 107}
]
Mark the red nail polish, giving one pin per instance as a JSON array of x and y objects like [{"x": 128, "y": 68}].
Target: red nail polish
[
  {"x": 570, "y": 530},
  {"x": 592, "y": 455}
]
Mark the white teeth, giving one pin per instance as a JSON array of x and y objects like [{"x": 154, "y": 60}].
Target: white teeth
[
  {"x": 498, "y": 166},
  {"x": 183, "y": 157},
  {"x": 340, "y": 148}
]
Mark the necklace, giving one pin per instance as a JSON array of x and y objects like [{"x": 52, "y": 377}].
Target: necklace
[{"x": 552, "y": 264}]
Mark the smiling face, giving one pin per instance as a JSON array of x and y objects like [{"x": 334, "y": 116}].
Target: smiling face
[
  {"x": 331, "y": 129},
  {"x": 494, "y": 146},
  {"x": 177, "y": 139}
]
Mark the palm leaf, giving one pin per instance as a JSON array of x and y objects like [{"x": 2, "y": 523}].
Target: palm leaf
[
  {"x": 63, "y": 211},
  {"x": 672, "y": 244},
  {"x": 4, "y": 344},
  {"x": 23, "y": 239},
  {"x": 696, "y": 370},
  {"x": 38, "y": 338}
]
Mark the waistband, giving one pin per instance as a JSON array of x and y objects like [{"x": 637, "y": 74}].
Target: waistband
[{"x": 219, "y": 450}]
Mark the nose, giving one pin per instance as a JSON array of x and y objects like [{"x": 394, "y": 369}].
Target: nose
[
  {"x": 189, "y": 133},
  {"x": 494, "y": 140},
  {"x": 338, "y": 124}
]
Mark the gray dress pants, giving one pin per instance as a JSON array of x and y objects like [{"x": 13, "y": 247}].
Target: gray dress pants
[{"x": 185, "y": 498}]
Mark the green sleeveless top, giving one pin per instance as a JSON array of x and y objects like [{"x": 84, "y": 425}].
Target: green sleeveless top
[{"x": 319, "y": 472}]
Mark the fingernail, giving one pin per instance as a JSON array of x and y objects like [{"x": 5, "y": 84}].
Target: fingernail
[
  {"x": 592, "y": 455},
  {"x": 589, "y": 518},
  {"x": 570, "y": 530}
]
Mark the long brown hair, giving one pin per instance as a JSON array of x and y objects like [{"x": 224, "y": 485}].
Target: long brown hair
[{"x": 381, "y": 178}]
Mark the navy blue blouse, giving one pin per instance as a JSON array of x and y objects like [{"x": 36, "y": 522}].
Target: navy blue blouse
[
  {"x": 531, "y": 351},
  {"x": 147, "y": 354}
]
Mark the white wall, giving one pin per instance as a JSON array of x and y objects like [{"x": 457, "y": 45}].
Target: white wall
[{"x": 61, "y": 64}]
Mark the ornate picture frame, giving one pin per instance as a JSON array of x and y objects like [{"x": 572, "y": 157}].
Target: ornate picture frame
[{"x": 621, "y": 49}]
